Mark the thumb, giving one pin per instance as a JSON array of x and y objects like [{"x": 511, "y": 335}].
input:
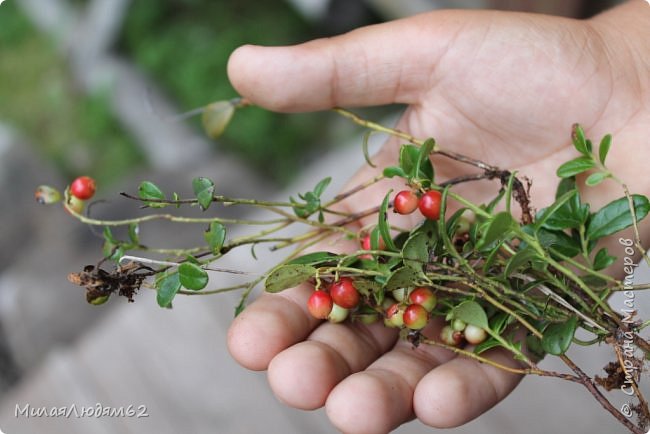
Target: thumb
[{"x": 379, "y": 64}]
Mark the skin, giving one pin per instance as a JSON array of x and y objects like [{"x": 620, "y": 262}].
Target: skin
[{"x": 501, "y": 87}]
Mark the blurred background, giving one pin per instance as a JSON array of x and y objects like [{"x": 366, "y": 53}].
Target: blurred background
[{"x": 84, "y": 86}]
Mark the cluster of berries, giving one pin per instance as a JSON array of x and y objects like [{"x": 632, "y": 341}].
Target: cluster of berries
[
  {"x": 407, "y": 201},
  {"x": 79, "y": 191},
  {"x": 457, "y": 332},
  {"x": 336, "y": 301}
]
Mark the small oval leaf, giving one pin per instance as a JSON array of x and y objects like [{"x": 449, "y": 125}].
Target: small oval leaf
[
  {"x": 192, "y": 276},
  {"x": 204, "y": 191},
  {"x": 557, "y": 337},
  {"x": 149, "y": 190},
  {"x": 616, "y": 216},
  {"x": 576, "y": 166},
  {"x": 471, "y": 313},
  {"x": 596, "y": 178},
  {"x": 604, "y": 147},
  {"x": 498, "y": 228},
  {"x": 168, "y": 287},
  {"x": 404, "y": 277},
  {"x": 215, "y": 237},
  {"x": 288, "y": 276}
]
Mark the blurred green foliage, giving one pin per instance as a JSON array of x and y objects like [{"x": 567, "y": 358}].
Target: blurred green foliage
[
  {"x": 77, "y": 132},
  {"x": 184, "y": 45}
]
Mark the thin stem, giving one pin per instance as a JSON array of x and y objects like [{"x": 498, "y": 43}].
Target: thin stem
[
  {"x": 169, "y": 217},
  {"x": 593, "y": 389}
]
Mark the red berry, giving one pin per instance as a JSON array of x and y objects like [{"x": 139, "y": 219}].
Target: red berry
[
  {"x": 83, "y": 187},
  {"x": 415, "y": 317},
  {"x": 344, "y": 293},
  {"x": 474, "y": 335},
  {"x": 430, "y": 204},
  {"x": 319, "y": 304},
  {"x": 424, "y": 297},
  {"x": 366, "y": 244},
  {"x": 405, "y": 202}
]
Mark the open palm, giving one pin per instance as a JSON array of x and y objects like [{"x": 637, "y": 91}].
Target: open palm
[{"x": 500, "y": 87}]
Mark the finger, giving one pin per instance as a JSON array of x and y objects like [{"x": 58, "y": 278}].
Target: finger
[
  {"x": 380, "y": 398},
  {"x": 274, "y": 322},
  {"x": 463, "y": 389},
  {"x": 303, "y": 376},
  {"x": 367, "y": 66}
]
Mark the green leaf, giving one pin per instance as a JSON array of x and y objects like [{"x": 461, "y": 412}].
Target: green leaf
[
  {"x": 409, "y": 158},
  {"x": 572, "y": 214},
  {"x": 557, "y": 337},
  {"x": 579, "y": 140},
  {"x": 204, "y": 191},
  {"x": 596, "y": 178},
  {"x": 404, "y": 277},
  {"x": 604, "y": 147},
  {"x": 559, "y": 203},
  {"x": 416, "y": 251},
  {"x": 168, "y": 286},
  {"x": 321, "y": 186},
  {"x": 616, "y": 216},
  {"x": 534, "y": 346},
  {"x": 316, "y": 258},
  {"x": 471, "y": 313},
  {"x": 192, "y": 276},
  {"x": 575, "y": 166},
  {"x": 108, "y": 235},
  {"x": 423, "y": 163},
  {"x": 134, "y": 231},
  {"x": 149, "y": 190},
  {"x": 487, "y": 344},
  {"x": 215, "y": 237},
  {"x": 519, "y": 259},
  {"x": 560, "y": 242},
  {"x": 383, "y": 225},
  {"x": 603, "y": 259},
  {"x": 499, "y": 228},
  {"x": 392, "y": 171},
  {"x": 288, "y": 276}
]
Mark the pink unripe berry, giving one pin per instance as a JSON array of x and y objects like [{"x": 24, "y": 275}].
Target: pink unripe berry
[
  {"x": 474, "y": 335},
  {"x": 425, "y": 297},
  {"x": 405, "y": 202},
  {"x": 415, "y": 317},
  {"x": 319, "y": 304},
  {"x": 451, "y": 337},
  {"x": 344, "y": 293}
]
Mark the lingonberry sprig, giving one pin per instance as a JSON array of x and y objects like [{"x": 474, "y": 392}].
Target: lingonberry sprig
[{"x": 472, "y": 280}]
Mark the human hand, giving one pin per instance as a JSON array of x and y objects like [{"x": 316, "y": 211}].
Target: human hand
[{"x": 501, "y": 87}]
